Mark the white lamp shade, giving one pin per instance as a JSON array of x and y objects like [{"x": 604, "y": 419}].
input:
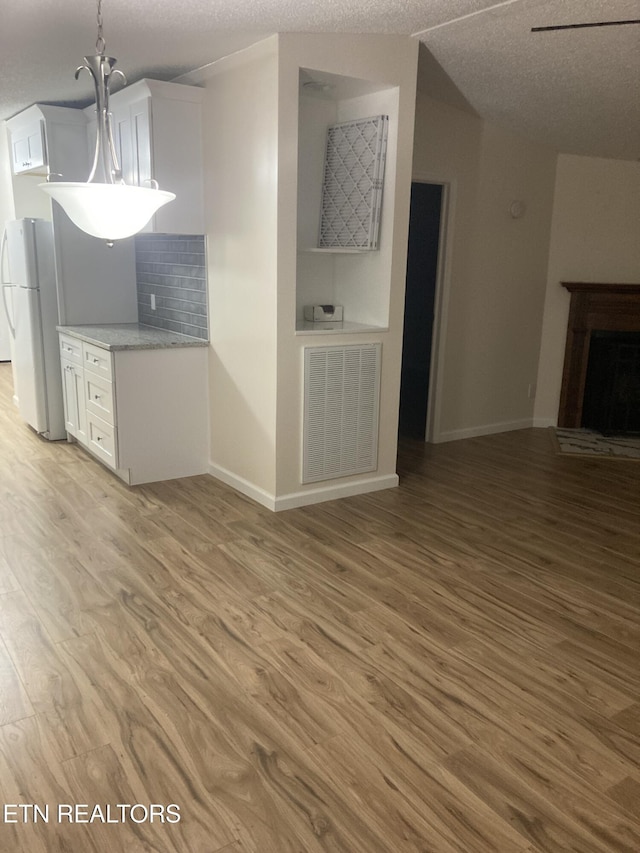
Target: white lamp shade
[{"x": 108, "y": 211}]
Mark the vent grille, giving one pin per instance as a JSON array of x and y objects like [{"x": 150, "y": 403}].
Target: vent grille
[
  {"x": 352, "y": 185},
  {"x": 341, "y": 404}
]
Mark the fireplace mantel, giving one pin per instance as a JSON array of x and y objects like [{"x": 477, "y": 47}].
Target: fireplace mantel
[
  {"x": 607, "y": 307},
  {"x": 594, "y": 287}
]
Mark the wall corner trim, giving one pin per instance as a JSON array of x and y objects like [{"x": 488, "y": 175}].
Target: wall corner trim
[{"x": 243, "y": 486}]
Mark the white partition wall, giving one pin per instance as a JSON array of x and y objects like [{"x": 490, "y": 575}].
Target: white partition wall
[
  {"x": 262, "y": 208},
  {"x": 240, "y": 148}
]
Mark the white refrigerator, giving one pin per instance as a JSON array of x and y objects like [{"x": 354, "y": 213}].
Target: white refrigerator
[
  {"x": 31, "y": 309},
  {"x": 5, "y": 339}
]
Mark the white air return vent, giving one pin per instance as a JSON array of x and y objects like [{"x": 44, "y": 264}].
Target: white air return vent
[
  {"x": 341, "y": 404},
  {"x": 352, "y": 184}
]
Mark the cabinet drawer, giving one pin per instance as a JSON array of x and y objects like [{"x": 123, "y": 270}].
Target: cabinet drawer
[
  {"x": 71, "y": 349},
  {"x": 97, "y": 360},
  {"x": 102, "y": 439},
  {"x": 98, "y": 393}
]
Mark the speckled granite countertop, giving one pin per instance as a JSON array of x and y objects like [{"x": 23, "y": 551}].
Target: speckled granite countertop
[{"x": 120, "y": 336}]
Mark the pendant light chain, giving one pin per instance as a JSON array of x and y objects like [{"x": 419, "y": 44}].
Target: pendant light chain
[{"x": 100, "y": 42}]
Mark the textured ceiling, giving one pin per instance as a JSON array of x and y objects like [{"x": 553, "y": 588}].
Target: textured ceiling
[{"x": 578, "y": 91}]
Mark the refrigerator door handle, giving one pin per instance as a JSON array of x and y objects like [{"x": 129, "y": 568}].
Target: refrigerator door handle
[
  {"x": 5, "y": 284},
  {"x": 2, "y": 254},
  {"x": 12, "y": 328}
]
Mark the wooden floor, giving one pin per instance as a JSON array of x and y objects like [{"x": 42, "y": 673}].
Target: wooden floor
[{"x": 448, "y": 666}]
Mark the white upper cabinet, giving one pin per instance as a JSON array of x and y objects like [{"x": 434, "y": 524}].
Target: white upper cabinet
[
  {"x": 48, "y": 140},
  {"x": 157, "y": 130},
  {"x": 158, "y": 137},
  {"x": 28, "y": 150}
]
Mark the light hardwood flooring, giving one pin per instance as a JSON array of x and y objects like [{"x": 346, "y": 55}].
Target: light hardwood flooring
[{"x": 448, "y": 666}]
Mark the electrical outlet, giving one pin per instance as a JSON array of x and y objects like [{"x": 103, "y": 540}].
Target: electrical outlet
[{"x": 153, "y": 307}]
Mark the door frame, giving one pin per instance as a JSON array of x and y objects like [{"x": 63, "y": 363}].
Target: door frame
[{"x": 441, "y": 303}]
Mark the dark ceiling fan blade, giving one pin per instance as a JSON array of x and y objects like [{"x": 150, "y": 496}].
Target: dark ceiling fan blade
[{"x": 582, "y": 26}]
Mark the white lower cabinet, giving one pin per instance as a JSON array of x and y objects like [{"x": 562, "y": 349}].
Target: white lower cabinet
[{"x": 141, "y": 412}]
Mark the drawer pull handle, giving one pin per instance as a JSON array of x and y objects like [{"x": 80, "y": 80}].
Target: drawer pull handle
[
  {"x": 95, "y": 360},
  {"x": 98, "y": 438},
  {"x": 96, "y": 397}
]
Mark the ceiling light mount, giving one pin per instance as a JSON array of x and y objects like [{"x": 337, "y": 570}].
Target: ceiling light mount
[{"x": 105, "y": 206}]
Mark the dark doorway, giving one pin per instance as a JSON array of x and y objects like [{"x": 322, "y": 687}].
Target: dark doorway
[{"x": 422, "y": 270}]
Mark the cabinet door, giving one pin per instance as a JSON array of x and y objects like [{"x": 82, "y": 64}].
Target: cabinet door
[
  {"x": 141, "y": 138},
  {"x": 142, "y": 150},
  {"x": 123, "y": 141},
  {"x": 177, "y": 164},
  {"x": 131, "y": 136},
  {"x": 27, "y": 146},
  {"x": 74, "y": 403}
]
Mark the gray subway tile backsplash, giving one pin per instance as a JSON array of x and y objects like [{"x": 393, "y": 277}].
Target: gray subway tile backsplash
[{"x": 173, "y": 268}]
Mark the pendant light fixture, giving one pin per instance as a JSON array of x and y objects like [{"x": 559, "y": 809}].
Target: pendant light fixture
[{"x": 104, "y": 206}]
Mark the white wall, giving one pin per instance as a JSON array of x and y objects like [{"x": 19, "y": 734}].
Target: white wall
[
  {"x": 495, "y": 267},
  {"x": 594, "y": 237},
  {"x": 240, "y": 146}
]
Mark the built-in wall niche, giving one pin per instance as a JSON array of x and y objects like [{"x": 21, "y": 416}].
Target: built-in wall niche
[{"x": 357, "y": 279}]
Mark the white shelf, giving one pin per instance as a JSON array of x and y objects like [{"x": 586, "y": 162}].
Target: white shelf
[
  {"x": 306, "y": 327},
  {"x": 338, "y": 250}
]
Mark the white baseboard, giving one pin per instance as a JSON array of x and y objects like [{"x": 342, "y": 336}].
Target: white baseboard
[
  {"x": 542, "y": 423},
  {"x": 318, "y": 494},
  {"x": 336, "y": 490},
  {"x": 486, "y": 429}
]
